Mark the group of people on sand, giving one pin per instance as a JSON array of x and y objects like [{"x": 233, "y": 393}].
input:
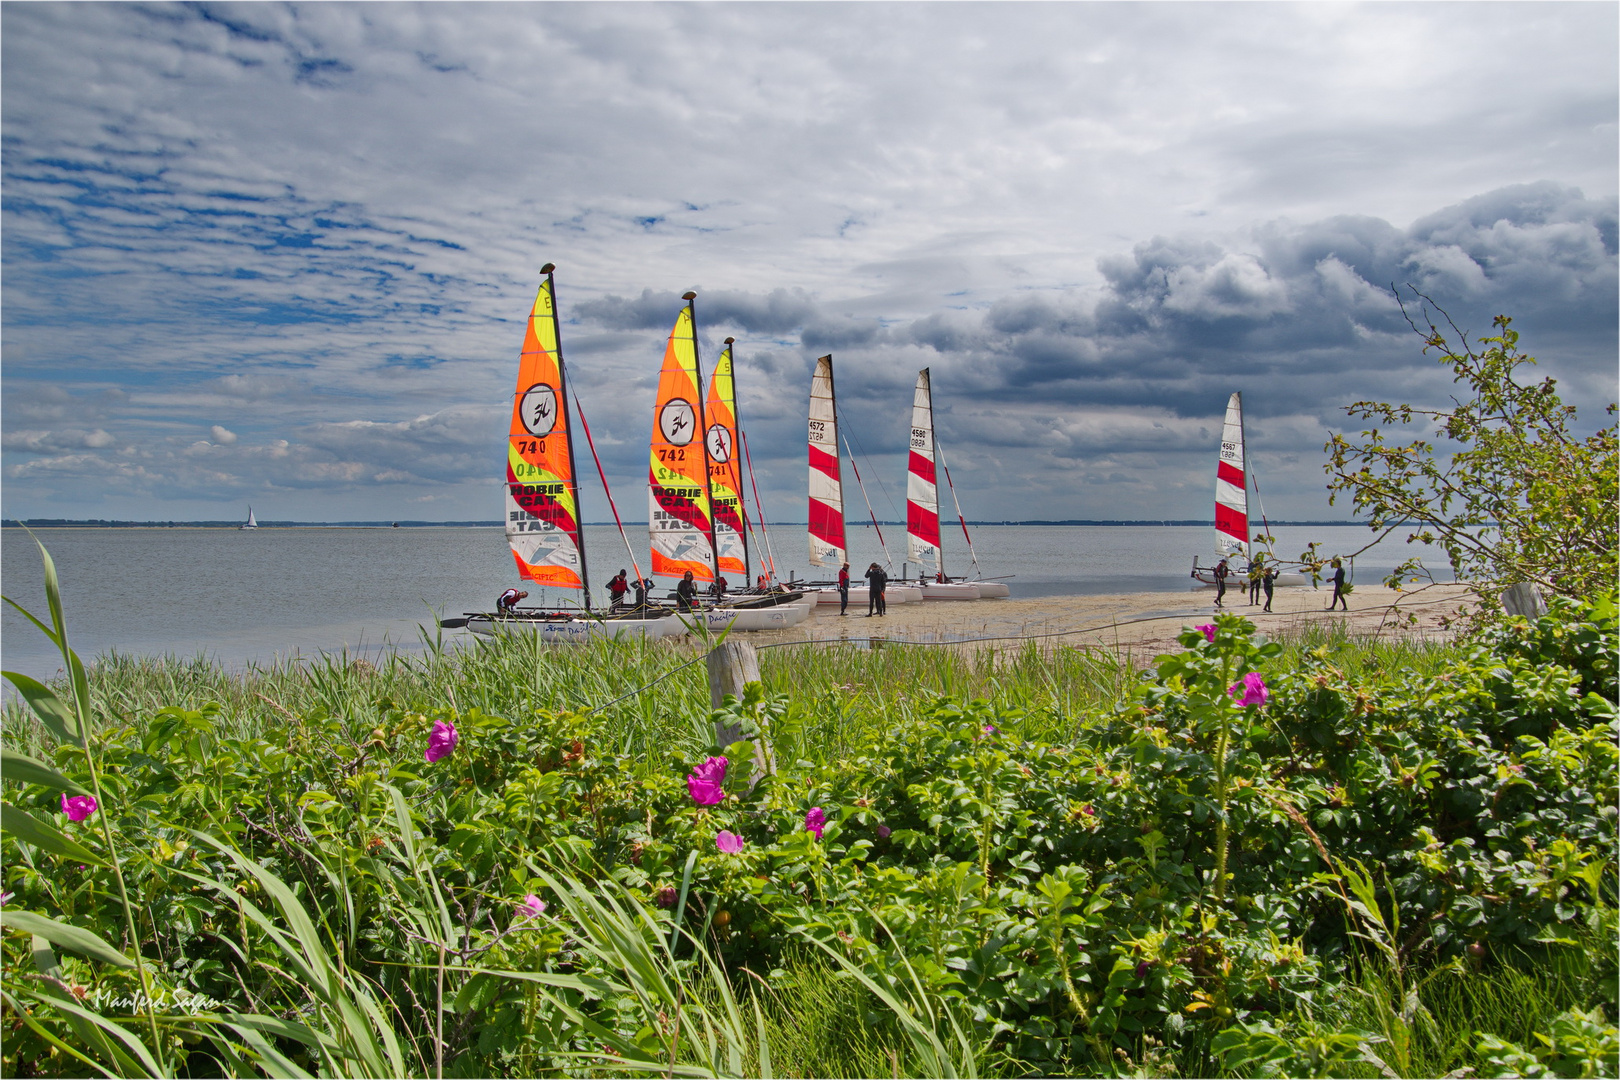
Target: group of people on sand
[
  {"x": 877, "y": 580},
  {"x": 1262, "y": 576}
]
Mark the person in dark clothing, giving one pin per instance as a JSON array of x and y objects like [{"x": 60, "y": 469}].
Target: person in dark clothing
[
  {"x": 1338, "y": 586},
  {"x": 876, "y": 582},
  {"x": 843, "y": 589},
  {"x": 718, "y": 589},
  {"x": 686, "y": 593},
  {"x": 1268, "y": 581},
  {"x": 1257, "y": 570},
  {"x": 617, "y": 587},
  {"x": 641, "y": 588},
  {"x": 1220, "y": 583}
]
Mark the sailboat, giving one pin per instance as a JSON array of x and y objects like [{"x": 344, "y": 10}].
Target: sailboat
[
  {"x": 923, "y": 541},
  {"x": 543, "y": 522},
  {"x": 692, "y": 528},
  {"x": 252, "y": 522},
  {"x": 826, "y": 515},
  {"x": 1232, "y": 506}
]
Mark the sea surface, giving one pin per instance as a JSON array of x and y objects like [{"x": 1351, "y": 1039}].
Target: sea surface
[{"x": 277, "y": 594}]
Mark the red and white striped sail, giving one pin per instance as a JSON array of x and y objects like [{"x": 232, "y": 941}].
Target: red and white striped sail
[
  {"x": 826, "y": 478},
  {"x": 1232, "y": 487},
  {"x": 922, "y": 495}
]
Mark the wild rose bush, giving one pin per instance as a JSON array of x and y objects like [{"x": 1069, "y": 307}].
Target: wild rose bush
[{"x": 1070, "y": 897}]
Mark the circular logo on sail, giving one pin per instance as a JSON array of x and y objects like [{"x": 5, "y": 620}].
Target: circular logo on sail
[
  {"x": 678, "y": 421},
  {"x": 719, "y": 440},
  {"x": 539, "y": 409}
]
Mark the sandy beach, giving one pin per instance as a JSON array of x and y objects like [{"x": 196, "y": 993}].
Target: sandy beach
[{"x": 1144, "y": 624}]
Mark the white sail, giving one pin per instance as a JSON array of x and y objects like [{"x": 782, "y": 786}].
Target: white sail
[
  {"x": 826, "y": 520},
  {"x": 1231, "y": 487},
  {"x": 252, "y": 523},
  {"x": 922, "y": 493}
]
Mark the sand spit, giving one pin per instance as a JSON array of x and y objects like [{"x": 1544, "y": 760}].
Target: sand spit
[{"x": 1141, "y": 623}]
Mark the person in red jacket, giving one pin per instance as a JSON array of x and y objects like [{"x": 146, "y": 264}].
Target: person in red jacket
[
  {"x": 843, "y": 589},
  {"x": 508, "y": 599}
]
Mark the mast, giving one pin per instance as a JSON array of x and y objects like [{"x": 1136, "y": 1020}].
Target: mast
[
  {"x": 826, "y": 516},
  {"x": 542, "y": 490},
  {"x": 1231, "y": 486},
  {"x": 922, "y": 492},
  {"x": 568, "y": 427},
  {"x": 697, "y": 380}
]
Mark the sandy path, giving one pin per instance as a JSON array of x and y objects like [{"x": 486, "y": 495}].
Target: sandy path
[{"x": 1145, "y": 623}]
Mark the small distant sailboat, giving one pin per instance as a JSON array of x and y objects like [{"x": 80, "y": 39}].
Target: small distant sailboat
[{"x": 252, "y": 522}]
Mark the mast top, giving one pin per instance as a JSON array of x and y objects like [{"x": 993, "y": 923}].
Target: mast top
[
  {"x": 548, "y": 268},
  {"x": 688, "y": 296},
  {"x": 729, "y": 340}
]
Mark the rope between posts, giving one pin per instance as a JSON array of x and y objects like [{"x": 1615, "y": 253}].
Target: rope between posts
[{"x": 954, "y": 641}]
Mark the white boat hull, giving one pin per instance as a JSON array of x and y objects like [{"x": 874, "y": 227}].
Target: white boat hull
[
  {"x": 578, "y": 630},
  {"x": 955, "y": 590},
  {"x": 992, "y": 590},
  {"x": 779, "y": 617},
  {"x": 894, "y": 594}
]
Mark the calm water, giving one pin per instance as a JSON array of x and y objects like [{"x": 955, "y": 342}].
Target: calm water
[{"x": 278, "y": 593}]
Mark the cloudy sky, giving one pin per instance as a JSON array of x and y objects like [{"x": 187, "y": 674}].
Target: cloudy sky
[{"x": 282, "y": 254}]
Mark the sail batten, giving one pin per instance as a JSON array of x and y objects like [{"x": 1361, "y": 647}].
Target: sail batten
[
  {"x": 679, "y": 516},
  {"x": 922, "y": 491},
  {"x": 542, "y": 491},
  {"x": 826, "y": 514},
  {"x": 721, "y": 441},
  {"x": 1231, "y": 486}
]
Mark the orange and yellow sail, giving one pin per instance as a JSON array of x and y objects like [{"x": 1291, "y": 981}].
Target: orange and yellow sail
[
  {"x": 678, "y": 512},
  {"x": 725, "y": 477},
  {"x": 542, "y": 494}
]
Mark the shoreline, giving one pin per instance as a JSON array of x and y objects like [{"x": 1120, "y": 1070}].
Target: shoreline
[{"x": 1133, "y": 622}]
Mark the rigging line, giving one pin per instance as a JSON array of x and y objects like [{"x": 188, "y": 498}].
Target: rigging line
[
  {"x": 605, "y": 489},
  {"x": 759, "y": 507},
  {"x": 940, "y": 450},
  {"x": 1261, "y": 499},
  {"x": 649, "y": 686},
  {"x": 878, "y": 477},
  {"x": 886, "y": 558}
]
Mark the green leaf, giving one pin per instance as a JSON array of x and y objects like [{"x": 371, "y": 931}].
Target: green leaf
[
  {"x": 51, "y": 710},
  {"x": 29, "y": 829},
  {"x": 25, "y": 770},
  {"x": 76, "y": 938}
]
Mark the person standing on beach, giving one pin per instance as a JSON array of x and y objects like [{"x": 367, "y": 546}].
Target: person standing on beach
[
  {"x": 843, "y": 589},
  {"x": 876, "y": 582},
  {"x": 1338, "y": 586},
  {"x": 1268, "y": 581},
  {"x": 1257, "y": 570},
  {"x": 1220, "y": 583}
]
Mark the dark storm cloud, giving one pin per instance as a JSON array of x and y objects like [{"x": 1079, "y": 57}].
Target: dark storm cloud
[{"x": 776, "y": 312}]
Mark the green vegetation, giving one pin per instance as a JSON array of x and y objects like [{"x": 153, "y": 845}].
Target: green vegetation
[
  {"x": 1322, "y": 857},
  {"x": 1510, "y": 494}
]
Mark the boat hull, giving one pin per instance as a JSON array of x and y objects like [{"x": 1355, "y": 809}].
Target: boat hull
[
  {"x": 776, "y": 617},
  {"x": 893, "y": 594},
  {"x": 571, "y": 630},
  {"x": 992, "y": 590},
  {"x": 954, "y": 590}
]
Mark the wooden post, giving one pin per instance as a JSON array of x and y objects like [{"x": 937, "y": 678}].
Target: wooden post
[{"x": 732, "y": 666}]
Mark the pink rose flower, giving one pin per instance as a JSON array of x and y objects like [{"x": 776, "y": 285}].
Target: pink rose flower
[
  {"x": 1251, "y": 691},
  {"x": 705, "y": 782},
  {"x": 883, "y": 832},
  {"x": 78, "y": 807},
  {"x": 1207, "y": 629},
  {"x": 441, "y": 740},
  {"x": 815, "y": 821},
  {"x": 729, "y": 842},
  {"x": 533, "y": 906}
]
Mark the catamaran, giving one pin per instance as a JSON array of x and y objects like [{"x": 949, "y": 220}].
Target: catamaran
[
  {"x": 1232, "y": 542},
  {"x": 826, "y": 515},
  {"x": 694, "y": 489},
  {"x": 543, "y": 523},
  {"x": 923, "y": 541}
]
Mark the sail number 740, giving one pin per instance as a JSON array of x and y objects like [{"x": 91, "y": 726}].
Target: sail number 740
[{"x": 531, "y": 446}]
